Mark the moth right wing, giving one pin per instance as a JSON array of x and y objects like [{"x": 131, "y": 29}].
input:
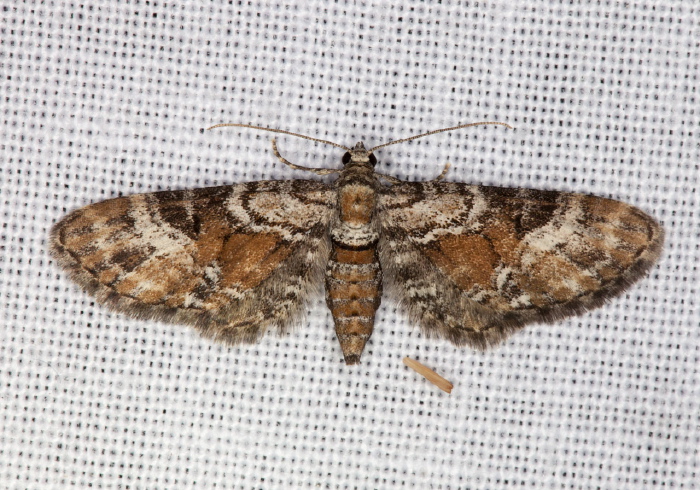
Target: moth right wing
[
  {"x": 231, "y": 261},
  {"x": 475, "y": 263}
]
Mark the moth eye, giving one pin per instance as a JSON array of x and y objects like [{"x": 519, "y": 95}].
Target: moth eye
[
  {"x": 346, "y": 158},
  {"x": 372, "y": 159}
]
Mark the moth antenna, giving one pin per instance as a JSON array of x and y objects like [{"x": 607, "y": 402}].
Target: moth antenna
[
  {"x": 317, "y": 171},
  {"x": 488, "y": 123},
  {"x": 231, "y": 125}
]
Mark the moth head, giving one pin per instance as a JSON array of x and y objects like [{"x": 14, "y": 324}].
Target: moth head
[{"x": 359, "y": 154}]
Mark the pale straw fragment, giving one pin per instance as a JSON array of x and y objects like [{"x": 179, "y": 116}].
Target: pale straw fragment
[{"x": 428, "y": 374}]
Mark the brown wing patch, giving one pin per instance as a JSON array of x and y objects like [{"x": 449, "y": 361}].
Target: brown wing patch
[
  {"x": 469, "y": 260},
  {"x": 249, "y": 259},
  {"x": 227, "y": 260},
  {"x": 507, "y": 257}
]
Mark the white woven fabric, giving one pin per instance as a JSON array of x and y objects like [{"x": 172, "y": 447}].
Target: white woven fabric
[{"x": 101, "y": 99}]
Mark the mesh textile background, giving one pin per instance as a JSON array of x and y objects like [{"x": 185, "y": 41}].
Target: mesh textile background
[{"x": 101, "y": 99}]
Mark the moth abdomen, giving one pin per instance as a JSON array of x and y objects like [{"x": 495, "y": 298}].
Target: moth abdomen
[{"x": 353, "y": 294}]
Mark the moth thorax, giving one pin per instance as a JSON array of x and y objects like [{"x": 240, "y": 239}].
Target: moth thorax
[{"x": 357, "y": 202}]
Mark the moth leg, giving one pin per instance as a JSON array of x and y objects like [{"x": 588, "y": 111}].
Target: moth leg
[
  {"x": 390, "y": 179},
  {"x": 442, "y": 174},
  {"x": 317, "y": 171},
  {"x": 394, "y": 180}
]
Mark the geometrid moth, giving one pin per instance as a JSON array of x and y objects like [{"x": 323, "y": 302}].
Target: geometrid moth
[{"x": 469, "y": 263}]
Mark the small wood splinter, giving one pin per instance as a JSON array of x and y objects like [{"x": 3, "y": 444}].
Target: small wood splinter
[{"x": 429, "y": 374}]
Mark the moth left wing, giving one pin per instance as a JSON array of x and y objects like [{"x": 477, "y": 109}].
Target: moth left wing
[
  {"x": 232, "y": 261},
  {"x": 473, "y": 263}
]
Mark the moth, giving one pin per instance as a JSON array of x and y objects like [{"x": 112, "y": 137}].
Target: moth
[{"x": 469, "y": 263}]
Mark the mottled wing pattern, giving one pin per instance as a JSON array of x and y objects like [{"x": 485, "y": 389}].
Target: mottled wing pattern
[
  {"x": 473, "y": 264},
  {"x": 232, "y": 261}
]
